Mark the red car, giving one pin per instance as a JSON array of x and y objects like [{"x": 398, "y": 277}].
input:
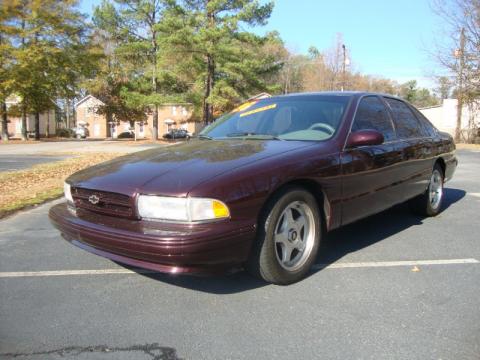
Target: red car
[{"x": 260, "y": 187}]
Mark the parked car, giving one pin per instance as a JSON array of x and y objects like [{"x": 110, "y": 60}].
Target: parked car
[
  {"x": 261, "y": 186},
  {"x": 80, "y": 132},
  {"x": 129, "y": 134},
  {"x": 177, "y": 134}
]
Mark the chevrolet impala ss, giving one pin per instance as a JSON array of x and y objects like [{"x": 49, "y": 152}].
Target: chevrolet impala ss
[{"x": 260, "y": 187}]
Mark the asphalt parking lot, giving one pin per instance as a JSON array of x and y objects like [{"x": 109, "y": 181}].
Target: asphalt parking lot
[{"x": 393, "y": 286}]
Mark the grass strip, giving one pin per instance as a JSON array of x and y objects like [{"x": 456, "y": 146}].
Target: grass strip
[{"x": 43, "y": 182}]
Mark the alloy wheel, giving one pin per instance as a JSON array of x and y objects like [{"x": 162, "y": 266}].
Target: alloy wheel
[
  {"x": 435, "y": 189},
  {"x": 294, "y": 235}
]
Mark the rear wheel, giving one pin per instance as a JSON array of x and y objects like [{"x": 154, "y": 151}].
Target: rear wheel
[
  {"x": 430, "y": 202},
  {"x": 288, "y": 238}
]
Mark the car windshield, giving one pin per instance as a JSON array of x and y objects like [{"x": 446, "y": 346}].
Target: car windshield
[{"x": 312, "y": 117}]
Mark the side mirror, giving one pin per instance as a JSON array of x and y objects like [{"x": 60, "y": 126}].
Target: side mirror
[{"x": 364, "y": 138}]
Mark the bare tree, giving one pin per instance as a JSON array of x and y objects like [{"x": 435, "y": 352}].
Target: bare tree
[
  {"x": 335, "y": 62},
  {"x": 459, "y": 52}
]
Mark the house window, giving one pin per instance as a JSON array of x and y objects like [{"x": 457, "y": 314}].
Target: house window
[
  {"x": 184, "y": 112},
  {"x": 174, "y": 110}
]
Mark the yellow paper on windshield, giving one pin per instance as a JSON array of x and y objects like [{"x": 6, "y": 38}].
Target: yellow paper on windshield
[
  {"x": 244, "y": 106},
  {"x": 264, "y": 108}
]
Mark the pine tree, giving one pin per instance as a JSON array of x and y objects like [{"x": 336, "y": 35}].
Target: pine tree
[
  {"x": 111, "y": 77},
  {"x": 147, "y": 78},
  {"x": 225, "y": 62}
]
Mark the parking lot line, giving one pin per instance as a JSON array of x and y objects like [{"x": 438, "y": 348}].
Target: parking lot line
[{"x": 371, "y": 264}]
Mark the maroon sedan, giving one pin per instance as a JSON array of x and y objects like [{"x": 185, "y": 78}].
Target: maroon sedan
[{"x": 260, "y": 186}]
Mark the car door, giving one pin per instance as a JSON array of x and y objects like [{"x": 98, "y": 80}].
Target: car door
[
  {"x": 370, "y": 172},
  {"x": 415, "y": 146}
]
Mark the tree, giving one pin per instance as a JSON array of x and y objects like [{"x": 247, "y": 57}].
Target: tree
[
  {"x": 315, "y": 74},
  {"x": 458, "y": 51},
  {"x": 4, "y": 50},
  {"x": 335, "y": 63},
  {"x": 284, "y": 74},
  {"x": 444, "y": 89},
  {"x": 419, "y": 97},
  {"x": 112, "y": 75},
  {"x": 325, "y": 70},
  {"x": 225, "y": 62},
  {"x": 408, "y": 90},
  {"x": 7, "y": 14},
  {"x": 49, "y": 56},
  {"x": 147, "y": 79}
]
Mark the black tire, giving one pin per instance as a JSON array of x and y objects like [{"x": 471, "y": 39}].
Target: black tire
[
  {"x": 425, "y": 204},
  {"x": 264, "y": 261}
]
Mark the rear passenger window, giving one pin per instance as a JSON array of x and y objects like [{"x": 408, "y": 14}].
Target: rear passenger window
[
  {"x": 427, "y": 125},
  {"x": 406, "y": 124},
  {"x": 372, "y": 114}
]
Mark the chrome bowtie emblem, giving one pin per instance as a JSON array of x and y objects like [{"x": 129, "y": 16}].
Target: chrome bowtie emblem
[{"x": 94, "y": 199}]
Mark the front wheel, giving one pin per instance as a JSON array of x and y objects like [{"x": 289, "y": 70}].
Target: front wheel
[
  {"x": 430, "y": 202},
  {"x": 288, "y": 238}
]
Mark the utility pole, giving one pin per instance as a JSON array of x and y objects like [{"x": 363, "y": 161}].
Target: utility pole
[
  {"x": 460, "y": 54},
  {"x": 344, "y": 64}
]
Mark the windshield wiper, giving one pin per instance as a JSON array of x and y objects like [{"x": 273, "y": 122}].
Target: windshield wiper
[
  {"x": 252, "y": 135},
  {"x": 205, "y": 137}
]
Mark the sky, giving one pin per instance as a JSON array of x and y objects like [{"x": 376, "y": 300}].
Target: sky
[{"x": 386, "y": 38}]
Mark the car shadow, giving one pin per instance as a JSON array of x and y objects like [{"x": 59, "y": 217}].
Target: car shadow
[
  {"x": 366, "y": 232},
  {"x": 337, "y": 244}
]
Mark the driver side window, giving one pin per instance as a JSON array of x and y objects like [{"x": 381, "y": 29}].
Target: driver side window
[{"x": 372, "y": 115}]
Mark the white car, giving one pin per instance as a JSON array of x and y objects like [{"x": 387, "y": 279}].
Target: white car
[{"x": 80, "y": 132}]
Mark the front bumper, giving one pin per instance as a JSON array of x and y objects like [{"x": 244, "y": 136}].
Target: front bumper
[{"x": 172, "y": 248}]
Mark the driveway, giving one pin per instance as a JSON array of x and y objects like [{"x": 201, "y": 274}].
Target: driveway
[{"x": 393, "y": 286}]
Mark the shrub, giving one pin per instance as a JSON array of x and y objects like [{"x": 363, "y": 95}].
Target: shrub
[{"x": 65, "y": 133}]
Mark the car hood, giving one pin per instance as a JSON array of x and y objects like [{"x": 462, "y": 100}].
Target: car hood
[{"x": 175, "y": 170}]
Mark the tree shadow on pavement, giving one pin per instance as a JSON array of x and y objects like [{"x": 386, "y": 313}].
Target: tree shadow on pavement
[{"x": 337, "y": 244}]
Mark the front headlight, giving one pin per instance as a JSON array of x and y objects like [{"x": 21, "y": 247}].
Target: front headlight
[
  {"x": 181, "y": 209},
  {"x": 67, "y": 190}
]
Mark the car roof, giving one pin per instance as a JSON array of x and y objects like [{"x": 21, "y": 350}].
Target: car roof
[{"x": 334, "y": 93}]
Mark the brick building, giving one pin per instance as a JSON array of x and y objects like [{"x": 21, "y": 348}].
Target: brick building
[
  {"x": 170, "y": 116},
  {"x": 47, "y": 121}
]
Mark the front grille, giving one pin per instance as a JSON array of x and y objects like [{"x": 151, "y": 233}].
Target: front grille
[{"x": 103, "y": 202}]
